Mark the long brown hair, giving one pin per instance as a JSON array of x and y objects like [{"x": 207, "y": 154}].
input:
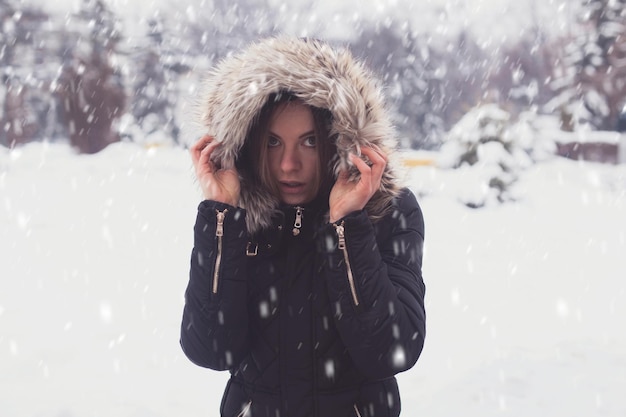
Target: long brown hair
[{"x": 254, "y": 157}]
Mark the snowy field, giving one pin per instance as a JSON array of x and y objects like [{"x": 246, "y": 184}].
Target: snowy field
[{"x": 526, "y": 302}]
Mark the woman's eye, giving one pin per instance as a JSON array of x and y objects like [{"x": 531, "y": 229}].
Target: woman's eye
[
  {"x": 310, "y": 141},
  {"x": 272, "y": 141}
]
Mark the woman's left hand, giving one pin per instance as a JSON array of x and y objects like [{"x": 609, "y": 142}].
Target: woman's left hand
[{"x": 348, "y": 196}]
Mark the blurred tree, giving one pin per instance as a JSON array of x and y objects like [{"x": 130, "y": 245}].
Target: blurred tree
[
  {"x": 216, "y": 28},
  {"x": 525, "y": 66},
  {"x": 467, "y": 81},
  {"x": 7, "y": 31},
  {"x": 155, "y": 83},
  {"x": 413, "y": 76},
  {"x": 90, "y": 88},
  {"x": 430, "y": 84},
  {"x": 24, "y": 99},
  {"x": 590, "y": 78}
]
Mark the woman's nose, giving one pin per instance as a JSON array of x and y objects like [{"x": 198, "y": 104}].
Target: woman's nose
[{"x": 290, "y": 160}]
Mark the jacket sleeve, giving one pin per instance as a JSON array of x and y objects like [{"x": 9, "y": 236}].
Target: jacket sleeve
[
  {"x": 376, "y": 287},
  {"x": 215, "y": 318}
]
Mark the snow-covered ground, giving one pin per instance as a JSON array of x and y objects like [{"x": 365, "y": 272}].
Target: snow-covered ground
[{"x": 526, "y": 302}]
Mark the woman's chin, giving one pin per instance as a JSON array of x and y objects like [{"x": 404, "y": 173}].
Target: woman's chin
[
  {"x": 292, "y": 200},
  {"x": 295, "y": 196}
]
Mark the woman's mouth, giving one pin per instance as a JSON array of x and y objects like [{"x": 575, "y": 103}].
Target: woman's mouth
[{"x": 291, "y": 187}]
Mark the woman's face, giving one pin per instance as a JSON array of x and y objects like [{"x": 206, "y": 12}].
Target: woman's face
[{"x": 292, "y": 153}]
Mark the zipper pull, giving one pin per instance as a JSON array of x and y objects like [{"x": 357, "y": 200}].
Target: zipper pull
[
  {"x": 341, "y": 235},
  {"x": 297, "y": 224},
  {"x": 219, "y": 231}
]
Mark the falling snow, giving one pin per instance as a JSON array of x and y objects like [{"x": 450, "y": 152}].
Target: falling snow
[
  {"x": 329, "y": 369},
  {"x": 114, "y": 310},
  {"x": 526, "y": 301},
  {"x": 399, "y": 357},
  {"x": 264, "y": 309},
  {"x": 106, "y": 312}
]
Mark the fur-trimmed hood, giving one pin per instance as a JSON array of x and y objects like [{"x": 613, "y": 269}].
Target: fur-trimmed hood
[{"x": 319, "y": 75}]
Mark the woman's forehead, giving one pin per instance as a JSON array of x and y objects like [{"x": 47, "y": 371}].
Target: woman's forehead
[{"x": 291, "y": 110}]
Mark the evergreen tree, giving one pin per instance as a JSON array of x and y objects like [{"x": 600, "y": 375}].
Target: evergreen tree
[
  {"x": 413, "y": 76},
  {"x": 24, "y": 99},
  {"x": 430, "y": 84},
  {"x": 590, "y": 76},
  {"x": 90, "y": 87},
  {"x": 525, "y": 67},
  {"x": 154, "y": 83},
  {"x": 215, "y": 28},
  {"x": 466, "y": 79}
]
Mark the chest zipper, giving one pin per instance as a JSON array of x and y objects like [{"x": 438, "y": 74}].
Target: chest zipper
[
  {"x": 342, "y": 245},
  {"x": 219, "y": 233},
  {"x": 297, "y": 224}
]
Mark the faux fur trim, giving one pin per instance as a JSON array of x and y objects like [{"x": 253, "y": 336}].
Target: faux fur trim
[{"x": 318, "y": 74}]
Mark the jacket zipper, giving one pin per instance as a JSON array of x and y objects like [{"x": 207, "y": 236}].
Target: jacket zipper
[
  {"x": 342, "y": 245},
  {"x": 219, "y": 233},
  {"x": 297, "y": 224}
]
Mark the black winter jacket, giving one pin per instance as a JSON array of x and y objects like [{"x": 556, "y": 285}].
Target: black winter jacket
[
  {"x": 308, "y": 324},
  {"x": 317, "y": 321}
]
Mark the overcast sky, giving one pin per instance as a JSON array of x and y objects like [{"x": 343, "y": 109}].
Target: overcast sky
[{"x": 488, "y": 19}]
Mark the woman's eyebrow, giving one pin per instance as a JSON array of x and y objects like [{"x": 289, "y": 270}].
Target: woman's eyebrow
[{"x": 304, "y": 135}]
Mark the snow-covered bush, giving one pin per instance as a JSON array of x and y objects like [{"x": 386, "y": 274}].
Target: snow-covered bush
[
  {"x": 148, "y": 132},
  {"x": 531, "y": 134},
  {"x": 492, "y": 152}
]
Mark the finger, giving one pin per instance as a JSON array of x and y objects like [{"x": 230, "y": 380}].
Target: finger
[
  {"x": 379, "y": 162},
  {"x": 361, "y": 165},
  {"x": 375, "y": 155},
  {"x": 204, "y": 162},
  {"x": 379, "y": 151},
  {"x": 201, "y": 143},
  {"x": 197, "y": 148},
  {"x": 365, "y": 181}
]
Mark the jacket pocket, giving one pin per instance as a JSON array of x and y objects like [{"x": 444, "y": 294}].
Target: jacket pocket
[
  {"x": 235, "y": 402},
  {"x": 379, "y": 398}
]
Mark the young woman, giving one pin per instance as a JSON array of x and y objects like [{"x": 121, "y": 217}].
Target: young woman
[{"x": 305, "y": 277}]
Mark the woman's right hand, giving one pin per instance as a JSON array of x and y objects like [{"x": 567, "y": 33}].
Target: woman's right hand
[{"x": 217, "y": 184}]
